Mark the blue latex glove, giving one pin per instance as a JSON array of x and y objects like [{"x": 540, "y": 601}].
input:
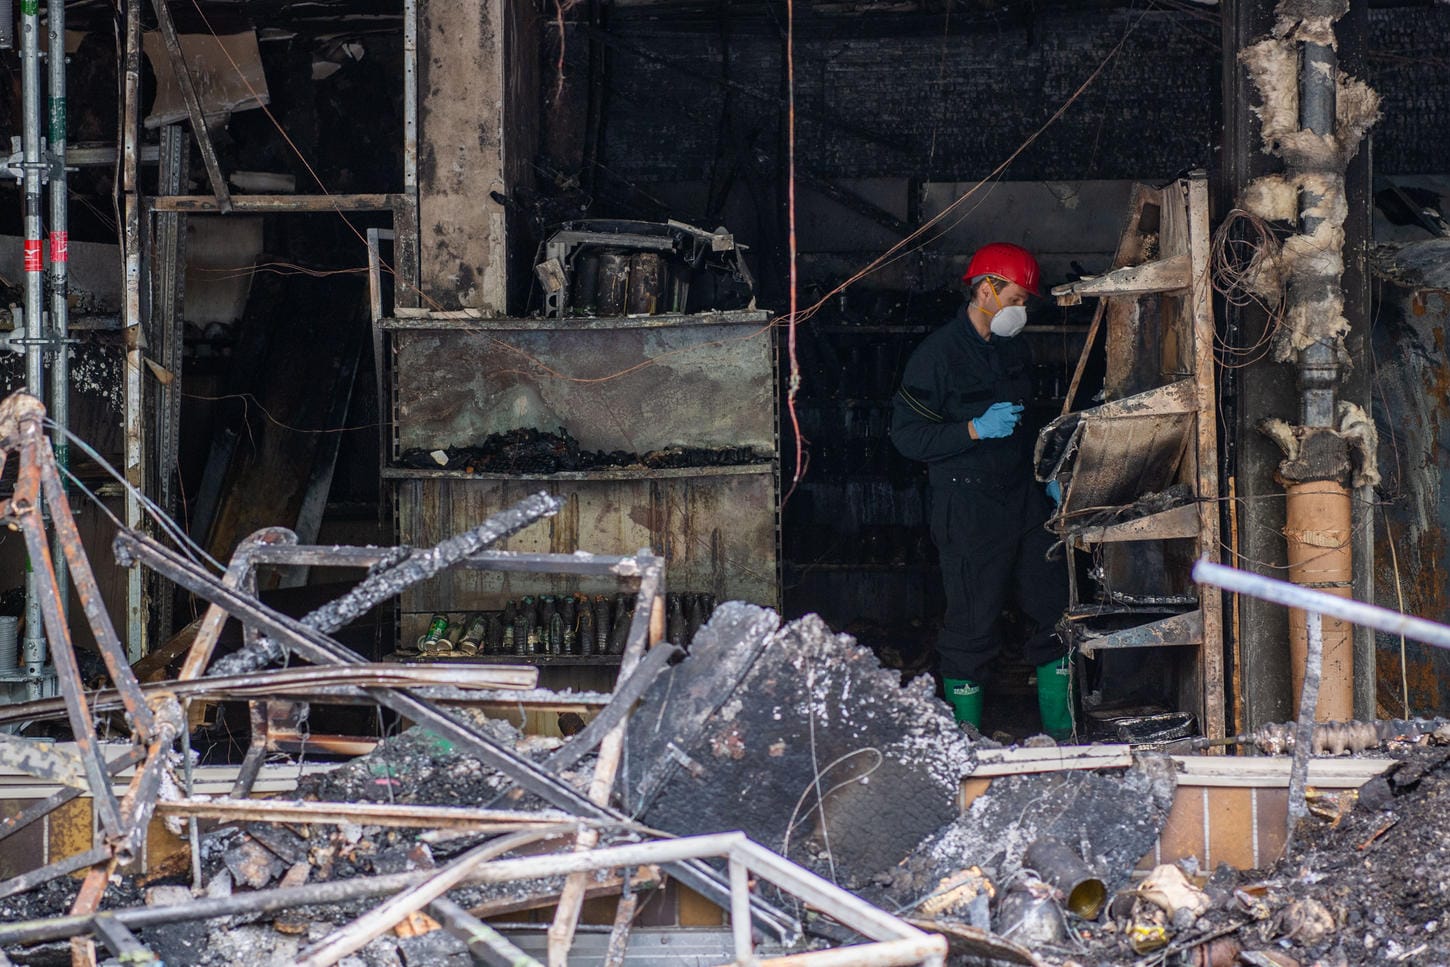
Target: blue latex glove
[
  {"x": 1054, "y": 491},
  {"x": 999, "y": 421}
]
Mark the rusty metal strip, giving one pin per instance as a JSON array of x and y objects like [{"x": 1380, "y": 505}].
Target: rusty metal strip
[
  {"x": 629, "y": 691},
  {"x": 120, "y": 941},
  {"x": 51, "y": 871},
  {"x": 238, "y": 568},
  {"x": 36, "y": 451},
  {"x": 187, "y": 85},
  {"x": 387, "y": 581},
  {"x": 624, "y": 914},
  {"x": 402, "y": 815},
  {"x": 256, "y": 751},
  {"x": 355, "y": 935},
  {"x": 580, "y": 564},
  {"x": 645, "y": 629},
  {"x": 323, "y": 683},
  {"x": 485, "y": 944},
  {"x": 263, "y": 204},
  {"x": 1082, "y": 360},
  {"x": 24, "y": 508}
]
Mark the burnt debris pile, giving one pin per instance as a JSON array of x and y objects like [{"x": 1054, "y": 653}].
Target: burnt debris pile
[{"x": 529, "y": 451}]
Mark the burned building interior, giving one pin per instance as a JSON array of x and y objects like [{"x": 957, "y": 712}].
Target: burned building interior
[{"x": 459, "y": 508}]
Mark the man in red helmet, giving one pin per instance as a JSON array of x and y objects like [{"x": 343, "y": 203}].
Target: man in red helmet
[{"x": 959, "y": 410}]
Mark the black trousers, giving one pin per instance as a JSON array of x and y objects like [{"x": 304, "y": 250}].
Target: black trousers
[{"x": 993, "y": 551}]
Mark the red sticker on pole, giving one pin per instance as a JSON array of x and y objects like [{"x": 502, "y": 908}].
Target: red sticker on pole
[
  {"x": 60, "y": 246},
  {"x": 33, "y": 260}
]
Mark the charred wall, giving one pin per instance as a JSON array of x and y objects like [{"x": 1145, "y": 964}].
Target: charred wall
[
  {"x": 1412, "y": 553},
  {"x": 923, "y": 97}
]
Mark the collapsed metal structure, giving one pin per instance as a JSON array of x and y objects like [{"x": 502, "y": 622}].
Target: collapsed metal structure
[{"x": 157, "y": 720}]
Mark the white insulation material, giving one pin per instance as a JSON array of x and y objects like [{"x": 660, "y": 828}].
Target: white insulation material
[{"x": 1307, "y": 270}]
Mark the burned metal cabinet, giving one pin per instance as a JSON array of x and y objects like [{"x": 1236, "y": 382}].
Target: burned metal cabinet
[
  {"x": 625, "y": 383},
  {"x": 1139, "y": 472}
]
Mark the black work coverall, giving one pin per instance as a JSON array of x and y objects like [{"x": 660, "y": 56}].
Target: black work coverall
[{"x": 987, "y": 510}]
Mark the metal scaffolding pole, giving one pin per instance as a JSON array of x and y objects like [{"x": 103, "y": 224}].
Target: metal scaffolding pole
[
  {"x": 32, "y": 174},
  {"x": 59, "y": 267},
  {"x": 131, "y": 322}
]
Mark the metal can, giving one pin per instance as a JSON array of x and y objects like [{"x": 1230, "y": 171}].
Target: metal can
[
  {"x": 437, "y": 629},
  {"x": 474, "y": 634}
]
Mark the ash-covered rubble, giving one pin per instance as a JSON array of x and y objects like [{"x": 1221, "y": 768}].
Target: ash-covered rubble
[
  {"x": 1110, "y": 819},
  {"x": 798, "y": 737},
  {"x": 527, "y": 450}
]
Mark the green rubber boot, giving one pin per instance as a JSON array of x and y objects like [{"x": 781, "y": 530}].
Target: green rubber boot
[
  {"x": 1054, "y": 697},
  {"x": 966, "y": 700}
]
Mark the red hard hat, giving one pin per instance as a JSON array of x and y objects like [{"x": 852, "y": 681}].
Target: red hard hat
[{"x": 1006, "y": 261}]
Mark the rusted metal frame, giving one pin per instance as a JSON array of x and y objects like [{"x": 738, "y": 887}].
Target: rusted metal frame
[
  {"x": 642, "y": 633},
  {"x": 256, "y": 751},
  {"x": 642, "y": 880},
  {"x": 485, "y": 944},
  {"x": 274, "y": 204},
  {"x": 395, "y": 575},
  {"x": 48, "y": 805},
  {"x": 361, "y": 887},
  {"x": 53, "y": 871},
  {"x": 355, "y": 935},
  {"x": 630, "y": 689},
  {"x": 305, "y": 683},
  {"x": 1082, "y": 360},
  {"x": 187, "y": 85},
  {"x": 140, "y": 800},
  {"x": 1210, "y": 603},
  {"x": 238, "y": 568},
  {"x": 316, "y": 647},
  {"x": 36, "y": 452},
  {"x": 24, "y": 509},
  {"x": 399, "y": 815},
  {"x": 120, "y": 941},
  {"x": 158, "y": 731},
  {"x": 132, "y": 548},
  {"x": 624, "y": 913},
  {"x": 582, "y": 565},
  {"x": 1179, "y": 629},
  {"x": 844, "y": 907}
]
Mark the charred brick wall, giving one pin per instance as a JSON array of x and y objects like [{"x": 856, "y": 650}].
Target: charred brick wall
[
  {"x": 920, "y": 101},
  {"x": 1410, "y": 68},
  {"x": 919, "y": 97}
]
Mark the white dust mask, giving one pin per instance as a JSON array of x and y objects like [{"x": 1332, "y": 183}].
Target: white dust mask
[{"x": 1008, "y": 321}]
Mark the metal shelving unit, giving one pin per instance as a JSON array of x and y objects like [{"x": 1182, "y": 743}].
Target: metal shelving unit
[{"x": 629, "y": 383}]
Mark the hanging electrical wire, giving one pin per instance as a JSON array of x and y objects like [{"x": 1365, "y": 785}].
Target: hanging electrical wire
[
  {"x": 793, "y": 387},
  {"x": 1243, "y": 264},
  {"x": 168, "y": 526}
]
